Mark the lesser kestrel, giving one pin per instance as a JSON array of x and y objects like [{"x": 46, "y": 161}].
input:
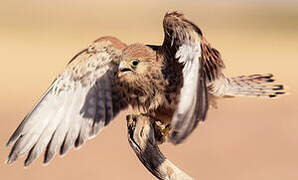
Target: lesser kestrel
[{"x": 173, "y": 84}]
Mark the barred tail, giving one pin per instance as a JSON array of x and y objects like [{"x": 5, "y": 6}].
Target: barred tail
[{"x": 256, "y": 85}]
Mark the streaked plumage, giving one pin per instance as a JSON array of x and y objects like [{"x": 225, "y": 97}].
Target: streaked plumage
[{"x": 174, "y": 84}]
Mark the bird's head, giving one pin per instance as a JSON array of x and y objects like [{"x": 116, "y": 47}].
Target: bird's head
[{"x": 137, "y": 60}]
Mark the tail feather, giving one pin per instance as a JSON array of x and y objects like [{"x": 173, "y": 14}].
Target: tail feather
[{"x": 256, "y": 85}]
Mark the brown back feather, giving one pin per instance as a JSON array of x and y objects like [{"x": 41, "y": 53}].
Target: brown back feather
[{"x": 212, "y": 61}]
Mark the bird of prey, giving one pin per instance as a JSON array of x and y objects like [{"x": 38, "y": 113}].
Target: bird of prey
[{"x": 174, "y": 84}]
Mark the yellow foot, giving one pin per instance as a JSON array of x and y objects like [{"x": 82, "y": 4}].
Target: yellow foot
[{"x": 161, "y": 131}]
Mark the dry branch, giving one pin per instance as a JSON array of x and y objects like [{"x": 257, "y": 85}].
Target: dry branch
[{"x": 142, "y": 140}]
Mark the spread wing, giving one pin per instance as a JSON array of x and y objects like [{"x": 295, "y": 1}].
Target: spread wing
[
  {"x": 185, "y": 44},
  {"x": 78, "y": 104}
]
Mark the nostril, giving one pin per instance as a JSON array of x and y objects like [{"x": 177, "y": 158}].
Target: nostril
[{"x": 124, "y": 69}]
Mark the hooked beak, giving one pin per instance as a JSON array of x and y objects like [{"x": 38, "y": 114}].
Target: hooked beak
[{"x": 123, "y": 69}]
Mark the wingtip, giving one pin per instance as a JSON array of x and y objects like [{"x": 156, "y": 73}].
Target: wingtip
[
  {"x": 11, "y": 140},
  {"x": 48, "y": 157},
  {"x": 174, "y": 13},
  {"x": 8, "y": 143},
  {"x": 63, "y": 150},
  {"x": 30, "y": 158},
  {"x": 27, "y": 163},
  {"x": 173, "y": 138},
  {"x": 46, "y": 160},
  {"x": 11, "y": 159},
  {"x": 79, "y": 142}
]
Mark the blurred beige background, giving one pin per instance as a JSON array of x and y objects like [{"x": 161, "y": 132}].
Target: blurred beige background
[{"x": 242, "y": 139}]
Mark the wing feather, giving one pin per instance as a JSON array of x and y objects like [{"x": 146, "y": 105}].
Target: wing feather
[
  {"x": 79, "y": 103},
  {"x": 212, "y": 61},
  {"x": 182, "y": 43}
]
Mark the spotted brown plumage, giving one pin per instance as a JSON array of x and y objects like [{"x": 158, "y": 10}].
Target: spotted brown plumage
[
  {"x": 81, "y": 101},
  {"x": 173, "y": 84}
]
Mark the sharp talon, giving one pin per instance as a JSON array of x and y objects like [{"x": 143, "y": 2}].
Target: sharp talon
[
  {"x": 161, "y": 131},
  {"x": 167, "y": 130}
]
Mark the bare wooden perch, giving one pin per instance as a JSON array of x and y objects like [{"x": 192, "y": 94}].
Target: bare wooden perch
[{"x": 142, "y": 140}]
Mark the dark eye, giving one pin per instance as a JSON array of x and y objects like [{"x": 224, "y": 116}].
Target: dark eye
[{"x": 135, "y": 62}]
